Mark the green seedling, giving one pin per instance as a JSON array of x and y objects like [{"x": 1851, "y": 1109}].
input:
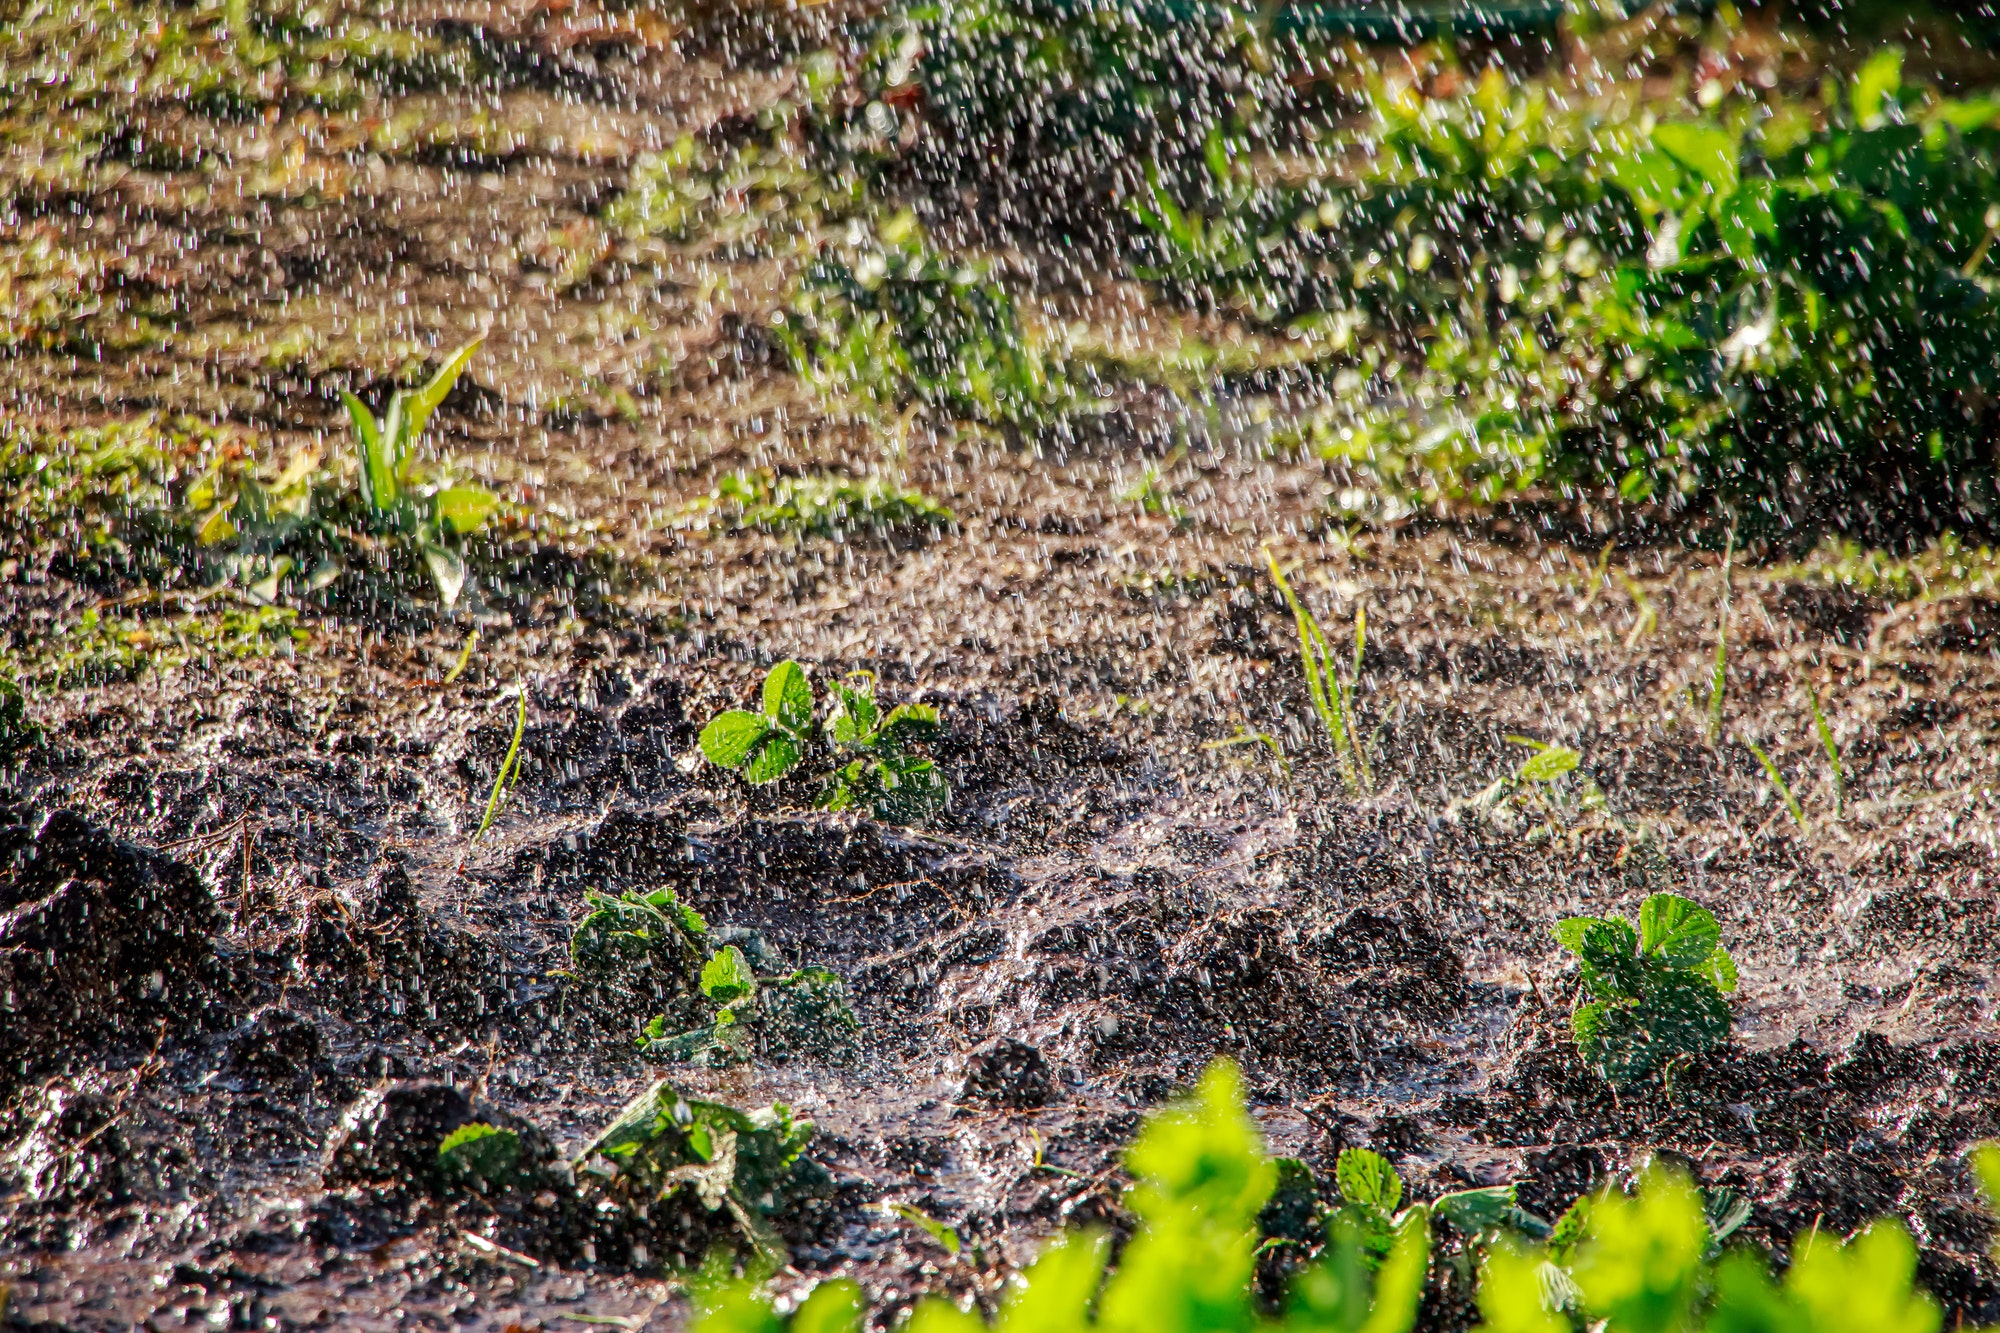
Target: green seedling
[
  {"x": 1332, "y": 700},
  {"x": 1718, "y": 678},
  {"x": 1371, "y": 1196},
  {"x": 480, "y": 1156},
  {"x": 1657, "y": 994},
  {"x": 819, "y": 505},
  {"x": 764, "y": 746},
  {"x": 1778, "y": 782},
  {"x": 884, "y": 777},
  {"x": 1832, "y": 749},
  {"x": 944, "y": 1235},
  {"x": 801, "y": 1012},
  {"x": 396, "y": 503},
  {"x": 508, "y": 766},
  {"x": 749, "y": 1164},
  {"x": 654, "y": 929}
]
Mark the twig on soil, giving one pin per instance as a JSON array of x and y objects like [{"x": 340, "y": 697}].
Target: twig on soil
[{"x": 495, "y": 1251}]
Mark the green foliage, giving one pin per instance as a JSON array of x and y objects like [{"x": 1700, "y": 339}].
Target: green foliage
[
  {"x": 19, "y": 733},
  {"x": 479, "y": 1155},
  {"x": 885, "y": 777},
  {"x": 1201, "y": 1183},
  {"x": 1332, "y": 698},
  {"x": 654, "y": 929},
  {"x": 1645, "y": 1261},
  {"x": 886, "y": 321},
  {"x": 1371, "y": 1211},
  {"x": 766, "y": 745},
  {"x": 802, "y": 1012},
  {"x": 509, "y": 763},
  {"x": 748, "y": 1163},
  {"x": 1657, "y": 993},
  {"x": 1760, "y": 308},
  {"x": 396, "y": 502},
  {"x": 821, "y": 505}
]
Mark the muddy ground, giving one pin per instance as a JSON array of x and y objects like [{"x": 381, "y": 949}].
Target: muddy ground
[{"x": 244, "y": 899}]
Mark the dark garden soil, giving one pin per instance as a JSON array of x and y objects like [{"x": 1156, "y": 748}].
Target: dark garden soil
[{"x": 255, "y": 962}]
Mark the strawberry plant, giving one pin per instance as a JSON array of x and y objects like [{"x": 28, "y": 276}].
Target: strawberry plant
[
  {"x": 396, "y": 502},
  {"x": 638, "y": 929},
  {"x": 883, "y": 777},
  {"x": 1657, "y": 994},
  {"x": 765, "y": 745},
  {"x": 747, "y": 1164},
  {"x": 803, "y": 1011}
]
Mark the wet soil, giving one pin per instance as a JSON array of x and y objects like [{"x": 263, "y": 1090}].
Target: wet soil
[{"x": 243, "y": 905}]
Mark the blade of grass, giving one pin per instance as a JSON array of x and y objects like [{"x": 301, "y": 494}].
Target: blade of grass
[
  {"x": 507, "y": 765},
  {"x": 1354, "y": 744},
  {"x": 1716, "y": 683},
  {"x": 1322, "y": 681},
  {"x": 1597, "y": 575},
  {"x": 1832, "y": 749},
  {"x": 1648, "y": 618},
  {"x": 464, "y": 656},
  {"x": 1778, "y": 781}
]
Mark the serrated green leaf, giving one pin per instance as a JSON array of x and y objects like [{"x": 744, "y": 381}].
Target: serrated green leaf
[
  {"x": 855, "y": 722},
  {"x": 1475, "y": 1210},
  {"x": 1569, "y": 931},
  {"x": 1677, "y": 930},
  {"x": 788, "y": 697},
  {"x": 730, "y": 737},
  {"x": 1366, "y": 1178},
  {"x": 910, "y": 722},
  {"x": 1550, "y": 763},
  {"x": 727, "y": 976},
  {"x": 776, "y": 755},
  {"x": 1720, "y": 969}
]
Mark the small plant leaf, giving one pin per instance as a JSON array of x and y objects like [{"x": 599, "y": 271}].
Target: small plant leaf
[
  {"x": 788, "y": 697},
  {"x": 480, "y": 1152},
  {"x": 1551, "y": 763},
  {"x": 378, "y": 482},
  {"x": 1476, "y": 1210},
  {"x": 947, "y": 1236},
  {"x": 775, "y": 757},
  {"x": 1570, "y": 931},
  {"x": 855, "y": 722},
  {"x": 447, "y": 569},
  {"x": 1365, "y": 1178},
  {"x": 464, "y": 508},
  {"x": 909, "y": 722},
  {"x": 1706, "y": 150},
  {"x": 729, "y": 738},
  {"x": 1680, "y": 931},
  {"x": 727, "y": 977},
  {"x": 420, "y": 404},
  {"x": 1720, "y": 969}
]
